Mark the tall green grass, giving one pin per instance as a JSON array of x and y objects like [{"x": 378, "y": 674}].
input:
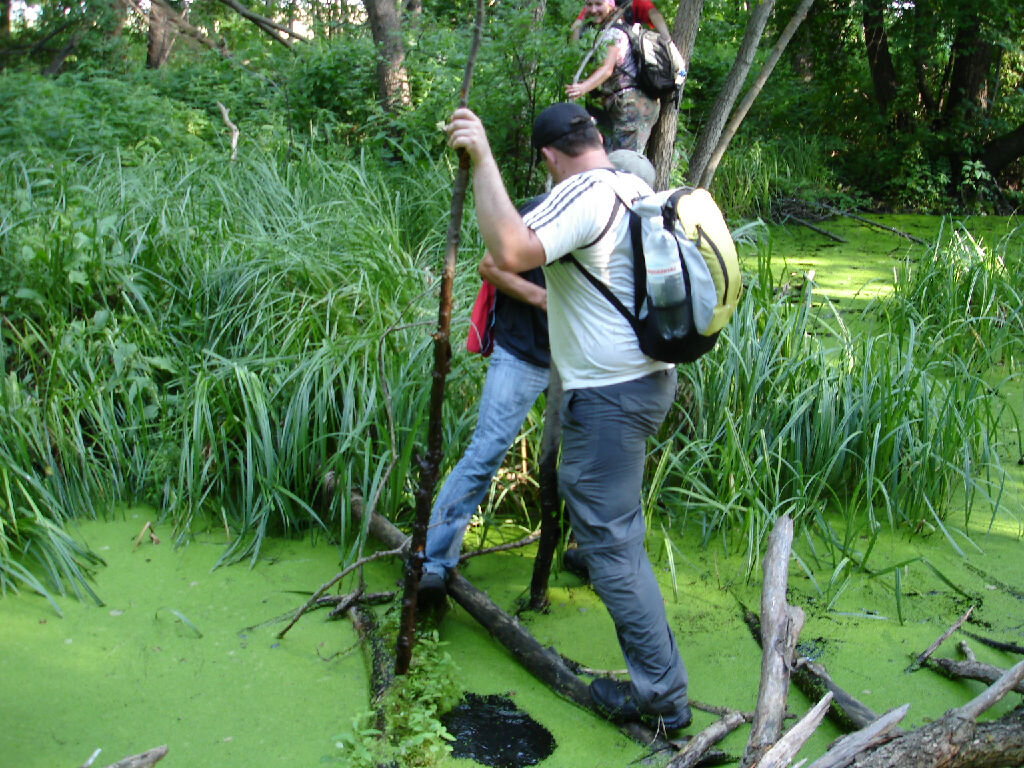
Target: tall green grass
[
  {"x": 792, "y": 413},
  {"x": 247, "y": 346}
]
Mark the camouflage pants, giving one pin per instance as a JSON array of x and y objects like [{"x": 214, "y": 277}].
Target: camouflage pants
[{"x": 627, "y": 119}]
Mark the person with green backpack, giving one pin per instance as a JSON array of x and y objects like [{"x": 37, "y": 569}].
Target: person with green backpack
[{"x": 615, "y": 396}]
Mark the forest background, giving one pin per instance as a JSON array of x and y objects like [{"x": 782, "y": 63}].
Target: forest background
[{"x": 238, "y": 335}]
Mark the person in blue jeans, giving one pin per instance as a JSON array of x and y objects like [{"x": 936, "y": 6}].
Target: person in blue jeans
[{"x": 516, "y": 376}]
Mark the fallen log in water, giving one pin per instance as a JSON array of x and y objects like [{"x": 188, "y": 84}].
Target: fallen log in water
[
  {"x": 780, "y": 626},
  {"x": 141, "y": 760},
  {"x": 813, "y": 680},
  {"x": 972, "y": 670},
  {"x": 543, "y": 663},
  {"x": 844, "y": 750},
  {"x": 956, "y": 740}
]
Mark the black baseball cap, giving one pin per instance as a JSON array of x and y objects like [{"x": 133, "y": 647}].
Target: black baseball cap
[{"x": 557, "y": 121}]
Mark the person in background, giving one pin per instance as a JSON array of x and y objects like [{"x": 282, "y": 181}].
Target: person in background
[
  {"x": 636, "y": 12},
  {"x": 625, "y": 114},
  {"x": 615, "y": 396}
]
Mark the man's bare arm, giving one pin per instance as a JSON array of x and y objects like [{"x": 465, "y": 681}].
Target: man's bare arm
[{"x": 513, "y": 246}]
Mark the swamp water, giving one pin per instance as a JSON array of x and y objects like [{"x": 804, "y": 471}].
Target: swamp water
[{"x": 183, "y": 655}]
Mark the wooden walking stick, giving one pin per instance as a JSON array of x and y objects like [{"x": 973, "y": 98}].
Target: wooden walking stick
[{"x": 430, "y": 463}]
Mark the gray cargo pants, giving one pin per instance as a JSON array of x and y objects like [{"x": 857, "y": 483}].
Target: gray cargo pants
[{"x": 604, "y": 435}]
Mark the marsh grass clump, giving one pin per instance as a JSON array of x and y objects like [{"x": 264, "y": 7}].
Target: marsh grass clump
[
  {"x": 963, "y": 295},
  {"x": 792, "y": 413},
  {"x": 247, "y": 344},
  {"x": 406, "y": 728}
]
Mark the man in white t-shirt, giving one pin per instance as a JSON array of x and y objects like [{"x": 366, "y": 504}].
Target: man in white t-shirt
[{"x": 615, "y": 396}]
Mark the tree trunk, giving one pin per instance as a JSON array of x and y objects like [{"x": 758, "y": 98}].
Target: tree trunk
[
  {"x": 550, "y": 508},
  {"x": 999, "y": 153},
  {"x": 883, "y": 74},
  {"x": 972, "y": 66},
  {"x": 392, "y": 79},
  {"x": 661, "y": 146},
  {"x": 5, "y": 22},
  {"x": 162, "y": 33},
  {"x": 712, "y": 131},
  {"x": 748, "y": 98}
]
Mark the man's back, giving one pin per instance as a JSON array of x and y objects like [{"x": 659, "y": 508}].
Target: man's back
[{"x": 591, "y": 343}]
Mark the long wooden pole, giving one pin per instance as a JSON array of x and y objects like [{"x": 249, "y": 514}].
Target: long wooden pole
[{"x": 430, "y": 463}]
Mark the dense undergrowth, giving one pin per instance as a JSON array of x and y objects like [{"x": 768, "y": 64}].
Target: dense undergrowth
[{"x": 249, "y": 342}]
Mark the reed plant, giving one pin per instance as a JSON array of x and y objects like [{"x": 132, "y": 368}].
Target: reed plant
[
  {"x": 963, "y": 294},
  {"x": 793, "y": 413}
]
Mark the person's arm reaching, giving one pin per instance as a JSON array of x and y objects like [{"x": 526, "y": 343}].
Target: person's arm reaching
[
  {"x": 512, "y": 284},
  {"x": 513, "y": 246},
  {"x": 598, "y": 76},
  {"x": 658, "y": 22}
]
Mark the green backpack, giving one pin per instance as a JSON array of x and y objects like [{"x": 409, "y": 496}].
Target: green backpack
[{"x": 711, "y": 272}]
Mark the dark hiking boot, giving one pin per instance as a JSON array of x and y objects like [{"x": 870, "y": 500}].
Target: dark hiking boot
[
  {"x": 616, "y": 701},
  {"x": 432, "y": 593},
  {"x": 573, "y": 562}
]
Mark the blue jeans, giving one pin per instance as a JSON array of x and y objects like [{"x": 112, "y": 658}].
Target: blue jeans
[{"x": 510, "y": 389}]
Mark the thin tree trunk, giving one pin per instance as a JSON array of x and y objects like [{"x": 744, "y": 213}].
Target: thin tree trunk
[
  {"x": 752, "y": 93},
  {"x": 661, "y": 145},
  {"x": 430, "y": 464},
  {"x": 550, "y": 508},
  {"x": 723, "y": 105},
  {"x": 392, "y": 79},
  {"x": 162, "y": 33},
  {"x": 876, "y": 43}
]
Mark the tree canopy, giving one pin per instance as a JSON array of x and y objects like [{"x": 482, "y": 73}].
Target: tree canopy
[{"x": 916, "y": 104}]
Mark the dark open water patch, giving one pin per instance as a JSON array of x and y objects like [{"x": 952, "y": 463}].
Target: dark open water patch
[{"x": 494, "y": 732}]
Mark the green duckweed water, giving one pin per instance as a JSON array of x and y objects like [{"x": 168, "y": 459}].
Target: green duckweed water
[{"x": 168, "y": 659}]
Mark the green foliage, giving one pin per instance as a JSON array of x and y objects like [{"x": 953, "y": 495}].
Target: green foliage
[
  {"x": 411, "y": 733},
  {"x": 963, "y": 295},
  {"x": 884, "y": 427}
]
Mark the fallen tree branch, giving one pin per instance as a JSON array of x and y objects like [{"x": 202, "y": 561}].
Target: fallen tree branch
[
  {"x": 955, "y": 740},
  {"x": 781, "y": 753},
  {"x": 997, "y": 644},
  {"x": 780, "y": 627},
  {"x": 813, "y": 680},
  {"x": 972, "y": 670},
  {"x": 311, "y": 603},
  {"x": 861, "y": 219},
  {"x": 845, "y": 749},
  {"x": 916, "y": 663},
  {"x": 815, "y": 228},
  {"x": 380, "y": 661},
  {"x": 695, "y": 749},
  {"x": 517, "y": 544},
  {"x": 141, "y": 760}
]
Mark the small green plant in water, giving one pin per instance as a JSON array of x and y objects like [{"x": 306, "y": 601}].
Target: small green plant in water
[{"x": 411, "y": 733}]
